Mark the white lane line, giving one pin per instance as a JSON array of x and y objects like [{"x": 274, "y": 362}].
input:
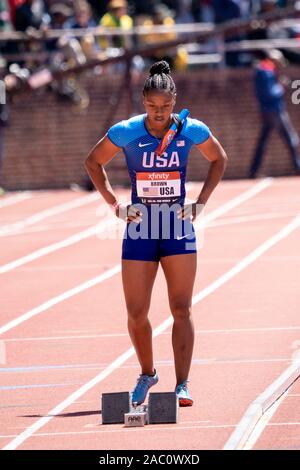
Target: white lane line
[
  {"x": 162, "y": 363},
  {"x": 77, "y": 267},
  {"x": 250, "y": 211},
  {"x": 20, "y": 369},
  {"x": 281, "y": 259},
  {"x": 60, "y": 298},
  {"x": 120, "y": 360},
  {"x": 96, "y": 425},
  {"x": 280, "y": 329},
  {"x": 109, "y": 430},
  {"x": 236, "y": 201},
  {"x": 96, "y": 229},
  {"x": 56, "y": 338},
  {"x": 56, "y": 225},
  {"x": 221, "y": 223},
  {"x": 62, "y": 267},
  {"x": 92, "y": 282},
  {"x": 248, "y": 194},
  {"x": 15, "y": 227},
  {"x": 10, "y": 388},
  {"x": 258, "y": 408},
  {"x": 260, "y": 250},
  {"x": 288, "y": 423},
  {"x": 10, "y": 200},
  {"x": 262, "y": 423},
  {"x": 252, "y": 218}
]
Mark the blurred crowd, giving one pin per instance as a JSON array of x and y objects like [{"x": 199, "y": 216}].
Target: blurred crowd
[
  {"x": 39, "y": 58},
  {"x": 32, "y": 16},
  {"x": 76, "y": 44},
  {"x": 22, "y": 14}
]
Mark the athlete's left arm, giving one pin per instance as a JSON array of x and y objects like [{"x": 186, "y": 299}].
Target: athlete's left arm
[{"x": 213, "y": 151}]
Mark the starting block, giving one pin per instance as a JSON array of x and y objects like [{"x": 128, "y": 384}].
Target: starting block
[
  {"x": 114, "y": 406},
  {"x": 161, "y": 409}
]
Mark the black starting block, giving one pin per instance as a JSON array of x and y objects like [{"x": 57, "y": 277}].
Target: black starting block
[
  {"x": 163, "y": 408},
  {"x": 117, "y": 409},
  {"x": 114, "y": 406}
]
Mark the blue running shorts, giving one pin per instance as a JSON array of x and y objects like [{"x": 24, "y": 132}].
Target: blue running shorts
[{"x": 152, "y": 239}]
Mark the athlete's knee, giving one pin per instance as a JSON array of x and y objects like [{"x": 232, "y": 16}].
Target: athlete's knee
[
  {"x": 181, "y": 309},
  {"x": 137, "y": 314}
]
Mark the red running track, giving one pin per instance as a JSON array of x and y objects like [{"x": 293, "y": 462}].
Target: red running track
[{"x": 59, "y": 332}]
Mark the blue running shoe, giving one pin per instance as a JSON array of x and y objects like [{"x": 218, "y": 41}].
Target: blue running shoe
[
  {"x": 183, "y": 394},
  {"x": 144, "y": 382}
]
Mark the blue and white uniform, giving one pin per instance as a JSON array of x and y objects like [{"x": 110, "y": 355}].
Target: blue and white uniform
[{"x": 157, "y": 181}]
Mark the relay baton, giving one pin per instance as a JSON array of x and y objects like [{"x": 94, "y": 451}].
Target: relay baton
[{"x": 169, "y": 136}]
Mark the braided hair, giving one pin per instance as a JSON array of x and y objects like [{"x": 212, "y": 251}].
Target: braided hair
[{"x": 160, "y": 79}]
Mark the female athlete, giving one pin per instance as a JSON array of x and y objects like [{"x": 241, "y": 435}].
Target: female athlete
[{"x": 159, "y": 225}]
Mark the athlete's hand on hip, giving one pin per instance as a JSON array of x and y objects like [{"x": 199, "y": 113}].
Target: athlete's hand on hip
[
  {"x": 128, "y": 213},
  {"x": 189, "y": 211}
]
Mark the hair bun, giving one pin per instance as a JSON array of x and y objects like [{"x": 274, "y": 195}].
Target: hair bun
[{"x": 160, "y": 67}]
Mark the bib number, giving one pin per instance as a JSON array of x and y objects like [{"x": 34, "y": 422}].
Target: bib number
[{"x": 158, "y": 187}]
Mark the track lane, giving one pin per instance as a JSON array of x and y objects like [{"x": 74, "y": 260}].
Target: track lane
[
  {"x": 38, "y": 201},
  {"x": 281, "y": 432},
  {"x": 21, "y": 244},
  {"x": 108, "y": 251},
  {"x": 212, "y": 254}
]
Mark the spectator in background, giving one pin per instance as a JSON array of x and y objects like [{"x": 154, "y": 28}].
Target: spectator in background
[
  {"x": 116, "y": 17},
  {"x": 99, "y": 8},
  {"x": 27, "y": 16},
  {"x": 30, "y": 17},
  {"x": 7, "y": 82},
  {"x": 82, "y": 16},
  {"x": 3, "y": 124},
  {"x": 227, "y": 10},
  {"x": 71, "y": 52},
  {"x": 203, "y": 11},
  {"x": 143, "y": 8},
  {"x": 5, "y": 21},
  {"x": 270, "y": 96},
  {"x": 177, "y": 56},
  {"x": 184, "y": 12},
  {"x": 5, "y": 24},
  {"x": 266, "y": 6},
  {"x": 59, "y": 13},
  {"x": 83, "y": 19}
]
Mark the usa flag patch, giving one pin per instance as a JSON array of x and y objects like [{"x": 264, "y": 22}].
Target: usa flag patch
[{"x": 180, "y": 143}]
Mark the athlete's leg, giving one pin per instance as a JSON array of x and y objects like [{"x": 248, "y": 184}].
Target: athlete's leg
[
  {"x": 267, "y": 126},
  {"x": 138, "y": 279},
  {"x": 180, "y": 272},
  {"x": 290, "y": 136}
]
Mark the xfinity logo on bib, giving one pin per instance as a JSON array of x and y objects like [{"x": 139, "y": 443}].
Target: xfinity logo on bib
[
  {"x": 158, "y": 176},
  {"x": 151, "y": 160}
]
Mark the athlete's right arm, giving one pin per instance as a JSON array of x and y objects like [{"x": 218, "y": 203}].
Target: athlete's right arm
[{"x": 99, "y": 156}]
